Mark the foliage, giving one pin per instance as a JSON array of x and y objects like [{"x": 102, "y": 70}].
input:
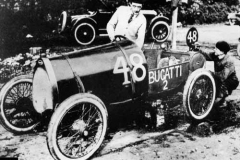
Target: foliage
[
  {"x": 14, "y": 66},
  {"x": 203, "y": 12},
  {"x": 228, "y": 2}
]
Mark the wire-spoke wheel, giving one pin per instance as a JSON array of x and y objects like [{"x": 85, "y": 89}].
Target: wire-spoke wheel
[
  {"x": 84, "y": 34},
  {"x": 199, "y": 94},
  {"x": 17, "y": 113},
  {"x": 160, "y": 31},
  {"x": 77, "y": 127}
]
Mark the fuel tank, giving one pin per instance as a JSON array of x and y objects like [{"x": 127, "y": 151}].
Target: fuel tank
[{"x": 115, "y": 72}]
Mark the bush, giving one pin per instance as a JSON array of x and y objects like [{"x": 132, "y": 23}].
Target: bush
[
  {"x": 229, "y": 2},
  {"x": 15, "y": 66},
  {"x": 205, "y": 13},
  {"x": 21, "y": 64}
]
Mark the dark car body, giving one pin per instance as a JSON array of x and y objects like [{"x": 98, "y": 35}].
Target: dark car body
[
  {"x": 105, "y": 72},
  {"x": 80, "y": 91},
  {"x": 82, "y": 88},
  {"x": 85, "y": 27}
]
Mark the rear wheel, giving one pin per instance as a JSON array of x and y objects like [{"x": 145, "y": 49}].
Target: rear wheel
[
  {"x": 84, "y": 33},
  {"x": 17, "y": 113},
  {"x": 199, "y": 94},
  {"x": 77, "y": 127},
  {"x": 160, "y": 31}
]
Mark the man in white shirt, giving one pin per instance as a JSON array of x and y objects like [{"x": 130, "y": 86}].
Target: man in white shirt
[{"x": 129, "y": 22}]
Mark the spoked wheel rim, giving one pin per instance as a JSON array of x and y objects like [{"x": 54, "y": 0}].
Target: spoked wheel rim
[
  {"x": 85, "y": 34},
  {"x": 160, "y": 32},
  {"x": 201, "y": 97},
  {"x": 78, "y": 136},
  {"x": 17, "y": 107}
]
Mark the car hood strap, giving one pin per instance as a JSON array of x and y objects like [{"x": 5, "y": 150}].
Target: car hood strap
[
  {"x": 77, "y": 78},
  {"x": 129, "y": 65}
]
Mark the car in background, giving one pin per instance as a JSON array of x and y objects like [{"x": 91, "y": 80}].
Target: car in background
[
  {"x": 234, "y": 19},
  {"x": 85, "y": 28}
]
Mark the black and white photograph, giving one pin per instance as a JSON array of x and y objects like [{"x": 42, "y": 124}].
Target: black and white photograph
[{"x": 120, "y": 79}]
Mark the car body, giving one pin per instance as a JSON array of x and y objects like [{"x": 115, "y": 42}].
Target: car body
[
  {"x": 234, "y": 18},
  {"x": 84, "y": 28},
  {"x": 118, "y": 73},
  {"x": 80, "y": 90},
  {"x": 76, "y": 72}
]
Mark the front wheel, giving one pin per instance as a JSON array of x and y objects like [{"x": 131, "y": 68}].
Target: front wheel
[
  {"x": 84, "y": 34},
  {"x": 77, "y": 127},
  {"x": 17, "y": 113},
  {"x": 160, "y": 31},
  {"x": 199, "y": 94}
]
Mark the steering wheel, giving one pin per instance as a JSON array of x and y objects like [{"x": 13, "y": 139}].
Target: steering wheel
[{"x": 119, "y": 38}]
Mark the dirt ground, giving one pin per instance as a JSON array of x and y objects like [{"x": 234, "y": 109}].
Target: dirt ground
[{"x": 213, "y": 140}]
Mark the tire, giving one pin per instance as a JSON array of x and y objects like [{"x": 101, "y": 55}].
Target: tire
[
  {"x": 69, "y": 113},
  {"x": 62, "y": 22},
  {"x": 84, "y": 34},
  {"x": 199, "y": 95},
  {"x": 17, "y": 113},
  {"x": 160, "y": 31}
]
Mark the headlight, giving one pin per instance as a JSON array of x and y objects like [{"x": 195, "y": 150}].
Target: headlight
[{"x": 42, "y": 91}]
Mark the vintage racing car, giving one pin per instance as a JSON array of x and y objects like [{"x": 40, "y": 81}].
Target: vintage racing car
[
  {"x": 80, "y": 88},
  {"x": 84, "y": 28}
]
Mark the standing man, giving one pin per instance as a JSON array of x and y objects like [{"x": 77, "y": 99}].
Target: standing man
[{"x": 128, "y": 21}]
